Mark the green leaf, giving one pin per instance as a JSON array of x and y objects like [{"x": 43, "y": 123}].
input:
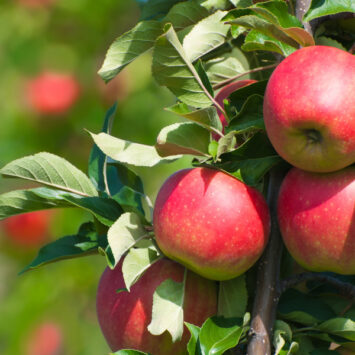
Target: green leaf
[
  {"x": 130, "y": 200},
  {"x": 343, "y": 327},
  {"x": 227, "y": 66},
  {"x": 252, "y": 160},
  {"x": 137, "y": 262},
  {"x": 282, "y": 333},
  {"x": 194, "y": 331},
  {"x": 106, "y": 210},
  {"x": 124, "y": 234},
  {"x": 232, "y": 298},
  {"x": 304, "y": 309},
  {"x": 321, "y": 8},
  {"x": 240, "y": 96},
  {"x": 250, "y": 116},
  {"x": 213, "y": 5},
  {"x": 185, "y": 14},
  {"x": 156, "y": 8},
  {"x": 50, "y": 170},
  {"x": 22, "y": 201},
  {"x": 85, "y": 242},
  {"x": 172, "y": 68},
  {"x": 129, "y": 152},
  {"x": 256, "y": 40},
  {"x": 206, "y": 117},
  {"x": 205, "y": 36},
  {"x": 183, "y": 138},
  {"x": 226, "y": 144},
  {"x": 327, "y": 41},
  {"x": 167, "y": 311},
  {"x": 219, "y": 334},
  {"x": 97, "y": 169},
  {"x": 128, "y": 47},
  {"x": 277, "y": 13}
]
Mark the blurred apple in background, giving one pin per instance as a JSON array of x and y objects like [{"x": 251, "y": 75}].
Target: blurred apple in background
[
  {"x": 29, "y": 229},
  {"x": 35, "y": 3},
  {"x": 45, "y": 339},
  {"x": 52, "y": 93}
]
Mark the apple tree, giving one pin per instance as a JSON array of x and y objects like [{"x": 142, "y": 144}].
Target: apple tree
[{"x": 260, "y": 86}]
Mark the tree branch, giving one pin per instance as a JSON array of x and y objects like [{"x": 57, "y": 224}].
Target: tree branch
[
  {"x": 301, "y": 8},
  {"x": 265, "y": 302},
  {"x": 344, "y": 288}
]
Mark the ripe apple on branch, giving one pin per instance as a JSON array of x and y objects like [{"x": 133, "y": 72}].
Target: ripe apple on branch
[{"x": 212, "y": 217}]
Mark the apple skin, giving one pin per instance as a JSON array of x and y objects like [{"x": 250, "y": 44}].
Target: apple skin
[
  {"x": 316, "y": 213},
  {"x": 211, "y": 222},
  {"x": 46, "y": 339},
  {"x": 124, "y": 316},
  {"x": 309, "y": 109},
  {"x": 52, "y": 93},
  {"x": 29, "y": 229},
  {"x": 35, "y": 3}
]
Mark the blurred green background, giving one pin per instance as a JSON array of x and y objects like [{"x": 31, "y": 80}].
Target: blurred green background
[{"x": 70, "y": 37}]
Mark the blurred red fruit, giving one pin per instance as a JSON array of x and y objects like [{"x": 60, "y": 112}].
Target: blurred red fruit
[
  {"x": 52, "y": 93},
  {"x": 28, "y": 229},
  {"x": 35, "y": 3},
  {"x": 46, "y": 339}
]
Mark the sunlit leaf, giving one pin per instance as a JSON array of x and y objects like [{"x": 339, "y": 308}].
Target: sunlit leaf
[
  {"x": 168, "y": 299},
  {"x": 321, "y": 8},
  {"x": 129, "y": 46},
  {"x": 172, "y": 68},
  {"x": 128, "y": 152},
  {"x": 183, "y": 138},
  {"x": 124, "y": 234},
  {"x": 50, "y": 170},
  {"x": 205, "y": 36}
]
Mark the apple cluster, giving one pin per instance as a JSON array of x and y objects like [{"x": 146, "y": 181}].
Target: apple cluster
[
  {"x": 217, "y": 226},
  {"x": 309, "y": 113}
]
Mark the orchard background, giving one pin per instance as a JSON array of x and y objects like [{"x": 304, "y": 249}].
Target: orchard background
[{"x": 71, "y": 38}]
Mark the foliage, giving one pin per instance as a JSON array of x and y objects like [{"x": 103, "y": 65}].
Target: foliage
[{"x": 192, "y": 44}]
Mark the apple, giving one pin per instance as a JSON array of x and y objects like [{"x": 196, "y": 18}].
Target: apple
[
  {"x": 29, "y": 229},
  {"x": 35, "y": 3},
  {"x": 309, "y": 109},
  {"x": 211, "y": 222},
  {"x": 124, "y": 316},
  {"x": 316, "y": 213},
  {"x": 46, "y": 339},
  {"x": 52, "y": 93}
]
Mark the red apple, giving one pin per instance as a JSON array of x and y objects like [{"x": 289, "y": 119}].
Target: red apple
[
  {"x": 52, "y": 93},
  {"x": 309, "y": 109},
  {"x": 28, "y": 229},
  {"x": 223, "y": 94},
  {"x": 211, "y": 222},
  {"x": 46, "y": 339},
  {"x": 317, "y": 219},
  {"x": 35, "y": 3},
  {"x": 124, "y": 316}
]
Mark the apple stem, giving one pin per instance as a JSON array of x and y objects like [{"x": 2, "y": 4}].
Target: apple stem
[
  {"x": 344, "y": 288},
  {"x": 230, "y": 80},
  {"x": 266, "y": 298}
]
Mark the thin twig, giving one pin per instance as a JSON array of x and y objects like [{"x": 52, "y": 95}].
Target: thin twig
[
  {"x": 230, "y": 80},
  {"x": 301, "y": 8},
  {"x": 344, "y": 288}
]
